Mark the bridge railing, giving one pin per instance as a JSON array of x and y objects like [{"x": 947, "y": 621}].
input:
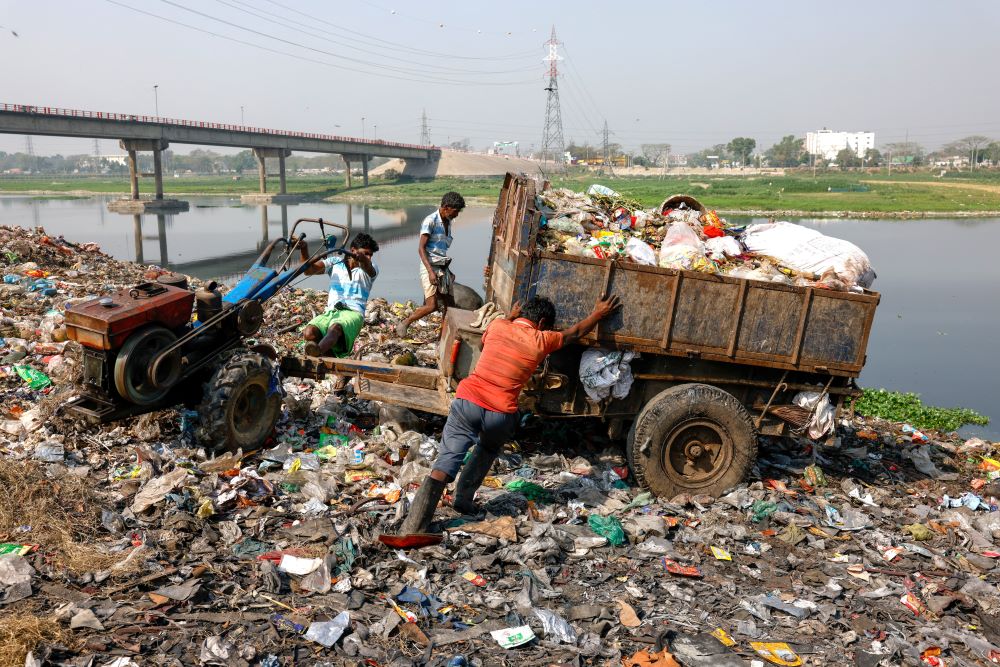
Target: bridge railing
[{"x": 155, "y": 120}]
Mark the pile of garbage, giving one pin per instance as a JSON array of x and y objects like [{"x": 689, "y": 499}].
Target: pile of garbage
[
  {"x": 128, "y": 544},
  {"x": 683, "y": 234}
]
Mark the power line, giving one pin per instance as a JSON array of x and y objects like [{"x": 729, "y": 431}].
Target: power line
[
  {"x": 298, "y": 56},
  {"x": 265, "y": 35},
  {"x": 437, "y": 23},
  {"x": 514, "y": 56},
  {"x": 280, "y": 21}
]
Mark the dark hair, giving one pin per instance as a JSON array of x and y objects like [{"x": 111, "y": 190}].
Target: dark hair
[
  {"x": 365, "y": 242},
  {"x": 539, "y": 309},
  {"x": 452, "y": 200}
]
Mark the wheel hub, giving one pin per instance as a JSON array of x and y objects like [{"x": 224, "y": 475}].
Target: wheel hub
[{"x": 697, "y": 451}]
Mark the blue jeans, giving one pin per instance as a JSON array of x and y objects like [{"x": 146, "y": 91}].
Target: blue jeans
[{"x": 469, "y": 424}]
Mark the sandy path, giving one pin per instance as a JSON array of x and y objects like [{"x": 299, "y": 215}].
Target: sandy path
[{"x": 983, "y": 187}]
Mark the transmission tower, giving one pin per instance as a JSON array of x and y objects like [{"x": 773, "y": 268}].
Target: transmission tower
[
  {"x": 552, "y": 136},
  {"x": 29, "y": 148},
  {"x": 425, "y": 131},
  {"x": 606, "y": 134},
  {"x": 97, "y": 154}
]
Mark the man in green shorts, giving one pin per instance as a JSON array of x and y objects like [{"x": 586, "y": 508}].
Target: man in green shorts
[{"x": 351, "y": 277}]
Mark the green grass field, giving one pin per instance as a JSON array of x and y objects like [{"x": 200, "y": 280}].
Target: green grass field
[{"x": 920, "y": 192}]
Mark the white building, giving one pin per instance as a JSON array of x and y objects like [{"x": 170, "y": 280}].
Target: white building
[{"x": 827, "y": 143}]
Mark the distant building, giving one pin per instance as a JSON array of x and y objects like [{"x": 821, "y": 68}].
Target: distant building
[{"x": 827, "y": 143}]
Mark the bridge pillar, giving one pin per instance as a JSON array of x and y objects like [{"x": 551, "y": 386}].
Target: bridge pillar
[
  {"x": 261, "y": 169},
  {"x": 133, "y": 174},
  {"x": 347, "y": 171},
  {"x": 281, "y": 175},
  {"x": 364, "y": 169},
  {"x": 134, "y": 204},
  {"x": 262, "y": 197},
  {"x": 158, "y": 173}
]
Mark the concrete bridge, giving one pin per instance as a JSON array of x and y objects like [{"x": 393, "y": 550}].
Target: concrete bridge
[{"x": 148, "y": 133}]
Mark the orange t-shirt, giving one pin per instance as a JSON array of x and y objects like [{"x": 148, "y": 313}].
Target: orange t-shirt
[{"x": 511, "y": 353}]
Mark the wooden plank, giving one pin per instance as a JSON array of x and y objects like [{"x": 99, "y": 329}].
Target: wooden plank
[
  {"x": 741, "y": 301},
  {"x": 669, "y": 322},
  {"x": 414, "y": 398},
  {"x": 801, "y": 331}
]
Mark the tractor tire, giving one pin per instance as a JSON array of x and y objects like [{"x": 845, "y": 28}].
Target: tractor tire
[
  {"x": 693, "y": 439},
  {"x": 240, "y": 406}
]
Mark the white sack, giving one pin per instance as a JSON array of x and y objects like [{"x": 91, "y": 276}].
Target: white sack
[{"x": 809, "y": 251}]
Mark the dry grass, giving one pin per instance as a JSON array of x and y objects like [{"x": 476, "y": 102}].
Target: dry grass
[
  {"x": 21, "y": 633},
  {"x": 63, "y": 516}
]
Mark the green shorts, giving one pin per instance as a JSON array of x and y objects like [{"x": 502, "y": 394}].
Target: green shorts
[{"x": 349, "y": 320}]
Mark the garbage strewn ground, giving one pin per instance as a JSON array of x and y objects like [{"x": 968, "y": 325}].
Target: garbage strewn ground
[{"x": 126, "y": 544}]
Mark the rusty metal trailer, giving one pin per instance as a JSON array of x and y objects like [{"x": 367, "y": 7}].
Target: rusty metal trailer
[{"x": 719, "y": 361}]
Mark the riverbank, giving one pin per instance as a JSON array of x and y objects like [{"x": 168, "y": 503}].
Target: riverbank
[{"x": 863, "y": 195}]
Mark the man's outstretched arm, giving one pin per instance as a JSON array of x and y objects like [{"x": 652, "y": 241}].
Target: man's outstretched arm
[{"x": 602, "y": 309}]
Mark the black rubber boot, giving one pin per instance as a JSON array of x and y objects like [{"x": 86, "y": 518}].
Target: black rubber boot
[
  {"x": 422, "y": 508},
  {"x": 471, "y": 478}
]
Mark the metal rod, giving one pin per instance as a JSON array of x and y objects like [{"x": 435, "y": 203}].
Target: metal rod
[
  {"x": 765, "y": 384},
  {"x": 781, "y": 386}
]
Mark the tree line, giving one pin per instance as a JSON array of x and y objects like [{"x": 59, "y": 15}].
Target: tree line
[{"x": 790, "y": 151}]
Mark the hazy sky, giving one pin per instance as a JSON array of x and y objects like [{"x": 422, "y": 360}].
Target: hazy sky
[{"x": 690, "y": 74}]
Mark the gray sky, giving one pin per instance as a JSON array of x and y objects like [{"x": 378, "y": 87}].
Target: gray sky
[{"x": 690, "y": 74}]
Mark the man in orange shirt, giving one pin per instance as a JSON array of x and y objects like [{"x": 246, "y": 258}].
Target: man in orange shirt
[{"x": 484, "y": 412}]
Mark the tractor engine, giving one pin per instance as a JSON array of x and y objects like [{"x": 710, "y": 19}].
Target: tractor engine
[{"x": 122, "y": 333}]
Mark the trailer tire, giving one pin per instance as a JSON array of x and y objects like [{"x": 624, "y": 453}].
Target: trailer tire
[
  {"x": 240, "y": 404},
  {"x": 692, "y": 438}
]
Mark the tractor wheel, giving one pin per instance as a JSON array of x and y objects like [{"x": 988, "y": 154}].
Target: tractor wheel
[
  {"x": 692, "y": 438},
  {"x": 240, "y": 405},
  {"x": 131, "y": 373}
]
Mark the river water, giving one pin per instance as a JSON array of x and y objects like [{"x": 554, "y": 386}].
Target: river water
[{"x": 934, "y": 330}]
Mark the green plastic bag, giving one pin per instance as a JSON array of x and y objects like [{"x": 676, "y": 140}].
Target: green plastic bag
[
  {"x": 761, "y": 509},
  {"x": 609, "y": 527},
  {"x": 529, "y": 490},
  {"x": 36, "y": 379}
]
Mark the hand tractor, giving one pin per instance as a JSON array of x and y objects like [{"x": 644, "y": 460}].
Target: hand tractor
[{"x": 144, "y": 352}]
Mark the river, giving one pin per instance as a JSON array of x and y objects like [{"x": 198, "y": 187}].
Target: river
[{"x": 933, "y": 332}]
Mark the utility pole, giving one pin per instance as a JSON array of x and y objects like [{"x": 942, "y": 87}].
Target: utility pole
[
  {"x": 552, "y": 133},
  {"x": 425, "y": 131},
  {"x": 242, "y": 120},
  {"x": 156, "y": 99}
]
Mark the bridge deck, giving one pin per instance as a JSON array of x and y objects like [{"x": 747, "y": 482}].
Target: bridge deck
[{"x": 52, "y": 121}]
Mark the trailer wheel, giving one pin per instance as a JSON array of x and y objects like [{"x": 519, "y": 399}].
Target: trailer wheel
[
  {"x": 692, "y": 438},
  {"x": 240, "y": 405}
]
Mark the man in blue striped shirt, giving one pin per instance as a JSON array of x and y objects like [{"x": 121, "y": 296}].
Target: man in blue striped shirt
[
  {"x": 435, "y": 239},
  {"x": 351, "y": 276}
]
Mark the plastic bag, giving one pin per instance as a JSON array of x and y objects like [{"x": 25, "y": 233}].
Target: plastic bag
[
  {"x": 555, "y": 626},
  {"x": 606, "y": 373},
  {"x": 608, "y": 527},
  {"x": 809, "y": 251},
  {"x": 640, "y": 252},
  {"x": 566, "y": 225},
  {"x": 328, "y": 632},
  {"x": 823, "y": 412},
  {"x": 722, "y": 247},
  {"x": 682, "y": 249},
  {"x": 598, "y": 189},
  {"x": 36, "y": 379}
]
